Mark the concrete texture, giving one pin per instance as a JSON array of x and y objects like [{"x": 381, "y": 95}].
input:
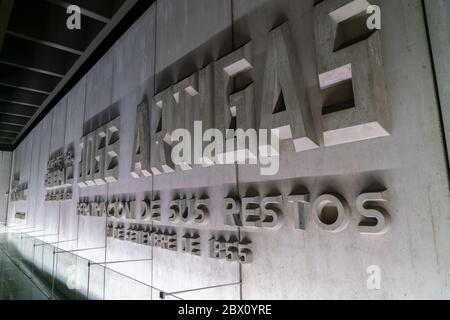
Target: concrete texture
[
  {"x": 5, "y": 174},
  {"x": 178, "y": 37},
  {"x": 187, "y": 39},
  {"x": 350, "y": 169},
  {"x": 438, "y": 14},
  {"x": 184, "y": 48}
]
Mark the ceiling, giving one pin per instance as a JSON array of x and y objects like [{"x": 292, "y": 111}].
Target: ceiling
[{"x": 41, "y": 59}]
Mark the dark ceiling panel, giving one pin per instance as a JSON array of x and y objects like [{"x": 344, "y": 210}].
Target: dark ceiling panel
[
  {"x": 10, "y": 128},
  {"x": 14, "y": 95},
  {"x": 16, "y": 109},
  {"x": 22, "y": 78},
  {"x": 13, "y": 120},
  {"x": 37, "y": 56},
  {"x": 5, "y": 142},
  {"x": 8, "y": 135},
  {"x": 41, "y": 60},
  {"x": 28, "y": 21}
]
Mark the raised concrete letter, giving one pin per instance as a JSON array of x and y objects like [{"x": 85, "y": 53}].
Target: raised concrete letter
[
  {"x": 140, "y": 166},
  {"x": 331, "y": 213},
  {"x": 351, "y": 73},
  {"x": 285, "y": 102},
  {"x": 112, "y": 151},
  {"x": 375, "y": 221}
]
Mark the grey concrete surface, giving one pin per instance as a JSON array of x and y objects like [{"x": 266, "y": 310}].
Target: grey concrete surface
[
  {"x": 5, "y": 174},
  {"x": 349, "y": 169},
  {"x": 438, "y": 13},
  {"x": 178, "y": 37}
]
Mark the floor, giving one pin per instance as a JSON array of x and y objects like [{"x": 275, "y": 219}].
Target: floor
[{"x": 14, "y": 283}]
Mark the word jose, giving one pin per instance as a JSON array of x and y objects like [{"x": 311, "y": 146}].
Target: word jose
[{"x": 99, "y": 163}]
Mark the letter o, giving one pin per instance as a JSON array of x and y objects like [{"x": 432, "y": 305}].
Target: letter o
[{"x": 330, "y": 213}]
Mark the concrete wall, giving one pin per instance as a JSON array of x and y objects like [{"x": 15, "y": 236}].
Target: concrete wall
[
  {"x": 5, "y": 174},
  {"x": 438, "y": 14},
  {"x": 175, "y": 38}
]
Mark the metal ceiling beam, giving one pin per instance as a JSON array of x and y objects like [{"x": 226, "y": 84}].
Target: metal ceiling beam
[
  {"x": 10, "y": 125},
  {"x": 6, "y": 135},
  {"x": 23, "y": 88},
  {"x": 2, "y": 130},
  {"x": 13, "y": 94},
  {"x": 13, "y": 120},
  {"x": 120, "y": 14},
  {"x": 20, "y": 102},
  {"x": 31, "y": 54},
  {"x": 84, "y": 11},
  {"x": 14, "y": 114},
  {"x": 16, "y": 109},
  {"x": 27, "y": 79},
  {"x": 43, "y": 22},
  {"x": 49, "y": 73},
  {"x": 10, "y": 128},
  {"x": 45, "y": 43}
]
